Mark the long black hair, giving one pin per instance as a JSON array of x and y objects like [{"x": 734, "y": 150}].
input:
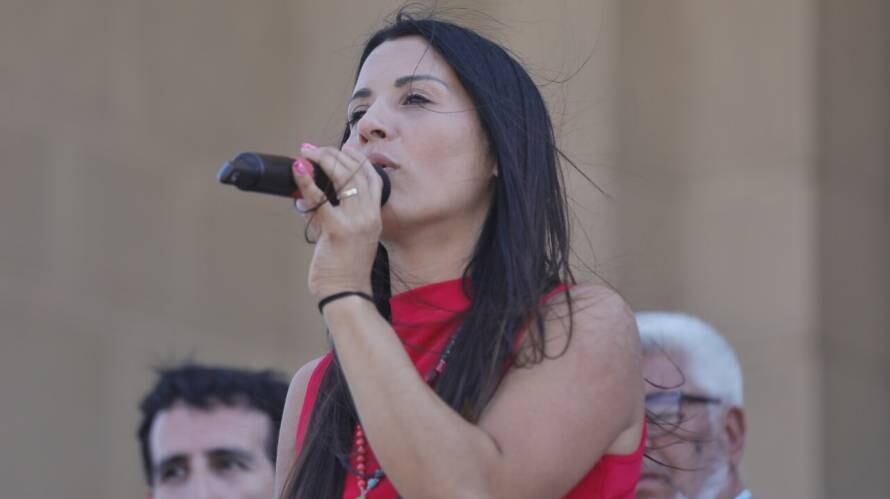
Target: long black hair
[{"x": 521, "y": 254}]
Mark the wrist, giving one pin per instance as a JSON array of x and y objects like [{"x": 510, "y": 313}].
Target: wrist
[
  {"x": 331, "y": 287},
  {"x": 347, "y": 312},
  {"x": 340, "y": 296}
]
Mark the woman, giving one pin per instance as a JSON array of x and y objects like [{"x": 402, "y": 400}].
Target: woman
[{"x": 466, "y": 362}]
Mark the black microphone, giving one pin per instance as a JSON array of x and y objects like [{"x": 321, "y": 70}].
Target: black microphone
[{"x": 271, "y": 174}]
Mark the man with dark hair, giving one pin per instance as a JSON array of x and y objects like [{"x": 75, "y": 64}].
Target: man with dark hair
[{"x": 211, "y": 432}]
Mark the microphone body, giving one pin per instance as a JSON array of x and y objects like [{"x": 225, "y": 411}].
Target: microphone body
[{"x": 271, "y": 174}]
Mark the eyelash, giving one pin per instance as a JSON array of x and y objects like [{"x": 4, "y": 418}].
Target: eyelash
[
  {"x": 410, "y": 99},
  {"x": 231, "y": 463},
  {"x": 171, "y": 472}
]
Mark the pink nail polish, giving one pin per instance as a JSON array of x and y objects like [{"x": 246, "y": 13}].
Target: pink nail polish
[
  {"x": 302, "y": 167},
  {"x": 309, "y": 147}
]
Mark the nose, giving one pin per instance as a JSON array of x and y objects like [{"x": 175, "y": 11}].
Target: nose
[
  {"x": 372, "y": 125},
  {"x": 206, "y": 486}
]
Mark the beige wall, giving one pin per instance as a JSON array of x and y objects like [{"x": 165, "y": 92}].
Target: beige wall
[
  {"x": 723, "y": 133},
  {"x": 854, "y": 244},
  {"x": 716, "y": 123}
]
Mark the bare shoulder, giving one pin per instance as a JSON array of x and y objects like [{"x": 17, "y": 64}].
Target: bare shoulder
[
  {"x": 581, "y": 389},
  {"x": 595, "y": 302},
  {"x": 296, "y": 392},
  {"x": 592, "y": 316},
  {"x": 602, "y": 342},
  {"x": 300, "y": 380},
  {"x": 290, "y": 420}
]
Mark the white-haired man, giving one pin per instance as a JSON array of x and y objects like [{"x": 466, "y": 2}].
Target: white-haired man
[{"x": 696, "y": 424}]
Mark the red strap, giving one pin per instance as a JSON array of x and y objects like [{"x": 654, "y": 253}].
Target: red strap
[{"x": 309, "y": 399}]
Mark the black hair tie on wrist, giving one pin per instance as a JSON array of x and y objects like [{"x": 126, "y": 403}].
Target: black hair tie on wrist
[{"x": 342, "y": 294}]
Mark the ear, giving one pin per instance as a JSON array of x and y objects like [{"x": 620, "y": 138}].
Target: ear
[
  {"x": 734, "y": 431},
  {"x": 492, "y": 162}
]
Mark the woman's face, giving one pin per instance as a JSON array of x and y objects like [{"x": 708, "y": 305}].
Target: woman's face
[{"x": 410, "y": 114}]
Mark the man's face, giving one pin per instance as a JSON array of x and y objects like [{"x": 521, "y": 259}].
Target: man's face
[
  {"x": 688, "y": 439},
  {"x": 216, "y": 453}
]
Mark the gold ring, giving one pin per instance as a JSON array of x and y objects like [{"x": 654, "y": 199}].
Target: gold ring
[{"x": 348, "y": 193}]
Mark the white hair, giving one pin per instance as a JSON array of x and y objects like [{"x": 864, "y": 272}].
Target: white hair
[{"x": 711, "y": 362}]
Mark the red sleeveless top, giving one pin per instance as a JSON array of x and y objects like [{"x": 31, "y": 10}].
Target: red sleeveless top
[{"x": 424, "y": 319}]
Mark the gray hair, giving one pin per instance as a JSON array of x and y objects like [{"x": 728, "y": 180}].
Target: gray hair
[{"x": 710, "y": 361}]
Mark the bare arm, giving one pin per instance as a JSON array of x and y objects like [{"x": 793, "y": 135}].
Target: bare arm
[
  {"x": 546, "y": 427},
  {"x": 547, "y": 424},
  {"x": 287, "y": 436}
]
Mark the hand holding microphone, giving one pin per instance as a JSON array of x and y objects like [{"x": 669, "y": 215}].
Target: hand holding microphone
[
  {"x": 271, "y": 174},
  {"x": 349, "y": 226}
]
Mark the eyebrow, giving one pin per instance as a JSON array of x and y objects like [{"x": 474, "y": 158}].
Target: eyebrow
[
  {"x": 232, "y": 452},
  {"x": 400, "y": 82}
]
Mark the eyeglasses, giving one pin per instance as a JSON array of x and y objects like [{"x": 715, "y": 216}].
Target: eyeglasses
[{"x": 665, "y": 410}]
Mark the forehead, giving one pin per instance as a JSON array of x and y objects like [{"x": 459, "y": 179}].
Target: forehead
[
  {"x": 668, "y": 370},
  {"x": 183, "y": 429},
  {"x": 402, "y": 57}
]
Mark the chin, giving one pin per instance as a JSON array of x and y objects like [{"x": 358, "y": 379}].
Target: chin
[{"x": 655, "y": 488}]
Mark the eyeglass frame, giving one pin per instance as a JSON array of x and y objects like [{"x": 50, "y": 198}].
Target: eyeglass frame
[
  {"x": 681, "y": 397},
  {"x": 675, "y": 397}
]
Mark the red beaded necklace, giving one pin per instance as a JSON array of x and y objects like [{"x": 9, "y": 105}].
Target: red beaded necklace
[{"x": 367, "y": 482}]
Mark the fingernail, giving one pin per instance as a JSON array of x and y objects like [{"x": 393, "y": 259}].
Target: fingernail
[
  {"x": 302, "y": 167},
  {"x": 309, "y": 147},
  {"x": 300, "y": 205}
]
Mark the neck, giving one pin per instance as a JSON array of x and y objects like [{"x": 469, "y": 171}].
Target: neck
[{"x": 429, "y": 255}]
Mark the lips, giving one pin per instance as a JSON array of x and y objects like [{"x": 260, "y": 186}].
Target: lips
[{"x": 383, "y": 161}]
